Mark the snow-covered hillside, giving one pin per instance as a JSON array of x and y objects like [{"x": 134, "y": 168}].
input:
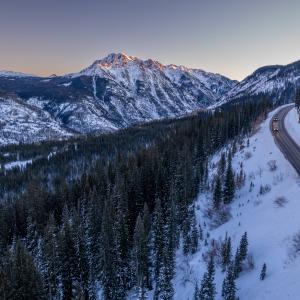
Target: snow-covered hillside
[
  {"x": 277, "y": 82},
  {"x": 268, "y": 210},
  {"x": 23, "y": 123}
]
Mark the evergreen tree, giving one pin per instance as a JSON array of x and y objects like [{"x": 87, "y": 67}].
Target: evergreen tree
[
  {"x": 190, "y": 233},
  {"x": 146, "y": 219},
  {"x": 229, "y": 157},
  {"x": 196, "y": 292},
  {"x": 200, "y": 232},
  {"x": 217, "y": 196},
  {"x": 81, "y": 246},
  {"x": 33, "y": 243},
  {"x": 158, "y": 236},
  {"x": 122, "y": 258},
  {"x": 243, "y": 250},
  {"x": 51, "y": 259},
  {"x": 208, "y": 288},
  {"x": 222, "y": 164},
  {"x": 110, "y": 257},
  {"x": 93, "y": 223},
  {"x": 19, "y": 277},
  {"x": 67, "y": 259},
  {"x": 237, "y": 263},
  {"x": 147, "y": 225},
  {"x": 194, "y": 237},
  {"x": 32, "y": 237},
  {"x": 263, "y": 272},
  {"x": 186, "y": 234},
  {"x": 171, "y": 237},
  {"x": 229, "y": 185},
  {"x": 164, "y": 288},
  {"x": 240, "y": 255},
  {"x": 228, "y": 287},
  {"x": 140, "y": 256},
  {"x": 226, "y": 253}
]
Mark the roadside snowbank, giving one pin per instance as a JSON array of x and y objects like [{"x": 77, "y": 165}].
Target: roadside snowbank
[{"x": 292, "y": 125}]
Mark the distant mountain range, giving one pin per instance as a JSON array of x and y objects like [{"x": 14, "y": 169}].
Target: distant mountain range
[{"x": 121, "y": 90}]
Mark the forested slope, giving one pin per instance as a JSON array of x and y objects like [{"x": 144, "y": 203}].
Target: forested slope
[{"x": 105, "y": 214}]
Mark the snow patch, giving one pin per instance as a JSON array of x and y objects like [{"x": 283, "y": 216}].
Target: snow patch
[
  {"x": 17, "y": 164},
  {"x": 67, "y": 84}
]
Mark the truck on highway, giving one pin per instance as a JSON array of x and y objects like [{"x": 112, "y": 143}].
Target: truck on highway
[{"x": 275, "y": 125}]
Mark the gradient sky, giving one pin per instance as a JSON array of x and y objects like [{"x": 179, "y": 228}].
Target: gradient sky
[{"x": 231, "y": 37}]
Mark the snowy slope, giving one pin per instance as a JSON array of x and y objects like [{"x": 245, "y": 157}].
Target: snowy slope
[
  {"x": 270, "y": 227},
  {"x": 23, "y": 123},
  {"x": 115, "y": 92},
  {"x": 278, "y": 82}
]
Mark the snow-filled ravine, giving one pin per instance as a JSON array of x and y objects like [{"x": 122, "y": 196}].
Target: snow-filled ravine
[{"x": 271, "y": 219}]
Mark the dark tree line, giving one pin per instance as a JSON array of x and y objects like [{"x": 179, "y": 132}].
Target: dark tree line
[{"x": 109, "y": 211}]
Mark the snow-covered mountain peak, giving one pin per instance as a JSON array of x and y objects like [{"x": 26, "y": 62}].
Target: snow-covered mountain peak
[
  {"x": 150, "y": 79},
  {"x": 115, "y": 59},
  {"x": 102, "y": 67},
  {"x": 120, "y": 61}
]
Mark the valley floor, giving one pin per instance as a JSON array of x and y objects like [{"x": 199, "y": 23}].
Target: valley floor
[{"x": 271, "y": 220}]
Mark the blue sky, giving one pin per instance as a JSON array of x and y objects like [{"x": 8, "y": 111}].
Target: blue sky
[{"x": 229, "y": 37}]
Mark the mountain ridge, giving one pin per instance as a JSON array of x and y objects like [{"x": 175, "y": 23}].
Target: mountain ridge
[
  {"x": 120, "y": 90},
  {"x": 278, "y": 82},
  {"x": 115, "y": 92}
]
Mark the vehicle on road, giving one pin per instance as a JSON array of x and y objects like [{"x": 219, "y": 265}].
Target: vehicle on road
[
  {"x": 275, "y": 126},
  {"x": 286, "y": 144}
]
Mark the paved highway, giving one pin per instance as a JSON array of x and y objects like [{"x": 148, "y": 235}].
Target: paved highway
[{"x": 286, "y": 144}]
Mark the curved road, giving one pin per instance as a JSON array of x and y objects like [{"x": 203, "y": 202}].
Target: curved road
[{"x": 286, "y": 144}]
